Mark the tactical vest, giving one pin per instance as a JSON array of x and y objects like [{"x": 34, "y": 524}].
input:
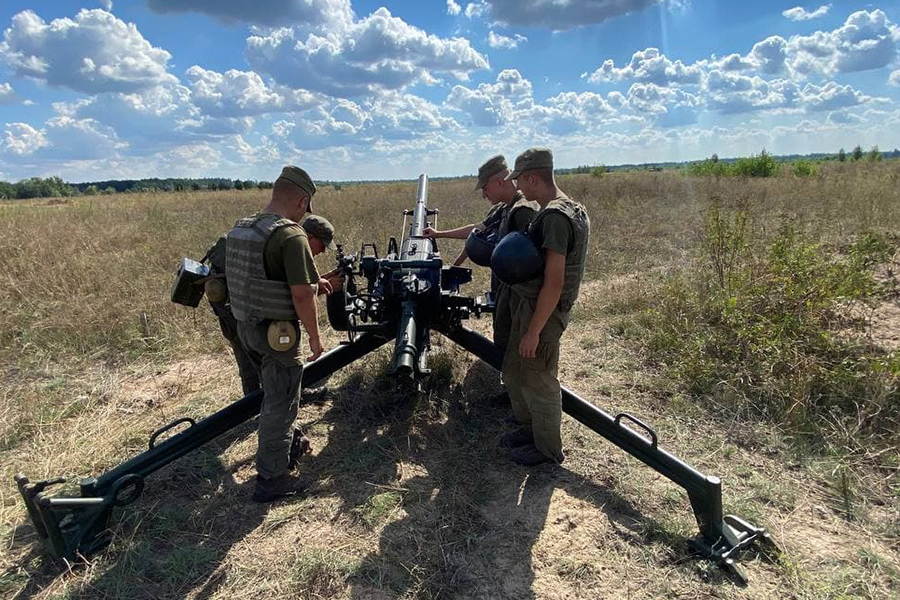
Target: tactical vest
[
  {"x": 493, "y": 219},
  {"x": 519, "y": 203},
  {"x": 254, "y": 297},
  {"x": 575, "y": 257}
]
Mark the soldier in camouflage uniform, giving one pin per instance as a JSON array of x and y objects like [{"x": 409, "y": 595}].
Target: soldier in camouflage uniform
[
  {"x": 272, "y": 284},
  {"x": 540, "y": 311}
]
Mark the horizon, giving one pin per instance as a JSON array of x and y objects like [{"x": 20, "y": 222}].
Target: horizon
[{"x": 380, "y": 91}]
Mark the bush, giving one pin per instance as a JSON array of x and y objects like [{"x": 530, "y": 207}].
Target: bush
[
  {"x": 805, "y": 168},
  {"x": 768, "y": 332},
  {"x": 762, "y": 165}
]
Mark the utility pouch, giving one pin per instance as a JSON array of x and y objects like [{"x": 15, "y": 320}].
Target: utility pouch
[
  {"x": 188, "y": 287},
  {"x": 282, "y": 335},
  {"x": 216, "y": 290}
]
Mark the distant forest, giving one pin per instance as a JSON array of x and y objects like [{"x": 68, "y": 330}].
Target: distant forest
[{"x": 37, "y": 187}]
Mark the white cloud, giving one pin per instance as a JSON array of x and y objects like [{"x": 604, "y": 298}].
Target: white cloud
[
  {"x": 453, "y": 8},
  {"x": 107, "y": 5},
  {"x": 866, "y": 40},
  {"x": 649, "y": 66},
  {"x": 670, "y": 107},
  {"x": 563, "y": 15},
  {"x": 831, "y": 96},
  {"x": 274, "y": 13},
  {"x": 769, "y": 55},
  {"x": 894, "y": 78},
  {"x": 7, "y": 95},
  {"x": 843, "y": 117},
  {"x": 95, "y": 52},
  {"x": 492, "y": 104},
  {"x": 241, "y": 93},
  {"x": 475, "y": 9},
  {"x": 21, "y": 139},
  {"x": 798, "y": 13},
  {"x": 732, "y": 93},
  {"x": 61, "y": 138},
  {"x": 495, "y": 40},
  {"x": 376, "y": 53}
]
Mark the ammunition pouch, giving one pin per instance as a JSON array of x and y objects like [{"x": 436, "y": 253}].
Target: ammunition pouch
[
  {"x": 282, "y": 335},
  {"x": 188, "y": 287}
]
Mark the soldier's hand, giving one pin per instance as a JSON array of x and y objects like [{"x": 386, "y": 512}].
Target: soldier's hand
[
  {"x": 528, "y": 345},
  {"x": 325, "y": 287},
  {"x": 337, "y": 281},
  {"x": 315, "y": 346},
  {"x": 430, "y": 232}
]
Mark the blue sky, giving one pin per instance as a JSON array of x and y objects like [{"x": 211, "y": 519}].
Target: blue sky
[{"x": 354, "y": 89}]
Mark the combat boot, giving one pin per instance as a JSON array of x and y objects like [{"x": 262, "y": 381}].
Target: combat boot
[
  {"x": 530, "y": 456},
  {"x": 283, "y": 486},
  {"x": 299, "y": 446},
  {"x": 519, "y": 437}
]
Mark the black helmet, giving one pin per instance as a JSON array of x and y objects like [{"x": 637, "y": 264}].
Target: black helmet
[
  {"x": 516, "y": 259},
  {"x": 479, "y": 246}
]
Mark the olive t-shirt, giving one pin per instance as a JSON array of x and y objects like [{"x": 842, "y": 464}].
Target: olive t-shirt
[
  {"x": 520, "y": 218},
  {"x": 289, "y": 258},
  {"x": 494, "y": 216},
  {"x": 555, "y": 233}
]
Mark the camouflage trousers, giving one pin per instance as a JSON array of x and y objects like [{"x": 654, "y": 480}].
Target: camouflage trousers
[
  {"x": 246, "y": 369},
  {"x": 280, "y": 374},
  {"x": 532, "y": 383}
]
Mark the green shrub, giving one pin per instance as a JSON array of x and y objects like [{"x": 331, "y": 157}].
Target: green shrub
[
  {"x": 805, "y": 168},
  {"x": 761, "y": 165},
  {"x": 769, "y": 333}
]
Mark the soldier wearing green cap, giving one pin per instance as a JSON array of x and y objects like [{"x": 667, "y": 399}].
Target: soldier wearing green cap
[
  {"x": 540, "y": 311},
  {"x": 272, "y": 287},
  {"x": 509, "y": 211}
]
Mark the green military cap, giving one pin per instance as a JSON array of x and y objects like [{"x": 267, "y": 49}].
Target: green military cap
[
  {"x": 533, "y": 158},
  {"x": 301, "y": 179},
  {"x": 320, "y": 227},
  {"x": 491, "y": 167}
]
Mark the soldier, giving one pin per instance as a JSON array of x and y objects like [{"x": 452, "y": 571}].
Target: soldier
[
  {"x": 540, "y": 311},
  {"x": 272, "y": 283},
  {"x": 495, "y": 213},
  {"x": 320, "y": 233},
  {"x": 509, "y": 212}
]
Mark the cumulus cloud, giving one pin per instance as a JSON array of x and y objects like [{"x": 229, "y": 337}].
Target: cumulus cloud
[
  {"x": 562, "y": 16},
  {"x": 648, "y": 66},
  {"x": 798, "y": 13},
  {"x": 670, "y": 107},
  {"x": 107, "y": 5},
  {"x": 376, "y": 53},
  {"x": 475, "y": 9},
  {"x": 453, "y": 8},
  {"x": 241, "y": 93},
  {"x": 7, "y": 95},
  {"x": 831, "y": 96},
  {"x": 61, "y": 138},
  {"x": 894, "y": 78},
  {"x": 492, "y": 104},
  {"x": 275, "y": 13},
  {"x": 94, "y": 52},
  {"x": 495, "y": 40},
  {"x": 866, "y": 40},
  {"x": 21, "y": 139},
  {"x": 732, "y": 93}
]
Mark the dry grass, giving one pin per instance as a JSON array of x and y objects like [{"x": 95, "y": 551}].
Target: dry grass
[{"x": 414, "y": 498}]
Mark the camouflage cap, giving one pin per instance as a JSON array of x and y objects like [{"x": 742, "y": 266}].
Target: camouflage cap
[
  {"x": 492, "y": 166},
  {"x": 301, "y": 179},
  {"x": 533, "y": 158},
  {"x": 320, "y": 227}
]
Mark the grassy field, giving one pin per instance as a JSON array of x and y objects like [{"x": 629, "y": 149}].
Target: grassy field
[{"x": 414, "y": 497}]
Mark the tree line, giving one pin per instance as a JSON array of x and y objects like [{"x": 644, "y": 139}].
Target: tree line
[{"x": 37, "y": 187}]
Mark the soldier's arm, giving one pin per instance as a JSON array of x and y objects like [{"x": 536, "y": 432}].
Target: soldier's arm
[
  {"x": 460, "y": 233},
  {"x": 461, "y": 258},
  {"x": 304, "y": 298}
]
